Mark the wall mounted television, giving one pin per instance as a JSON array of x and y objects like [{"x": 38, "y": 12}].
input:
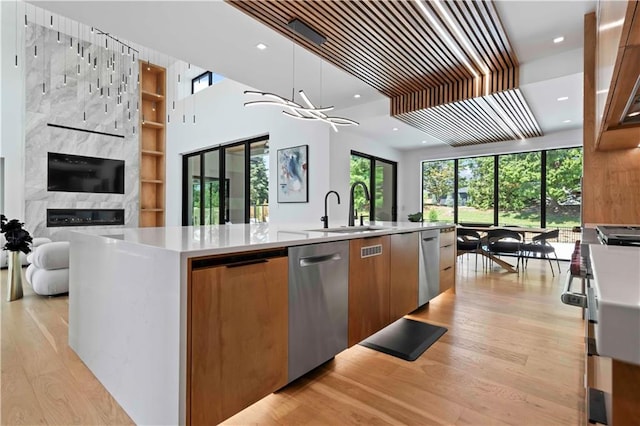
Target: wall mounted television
[{"x": 75, "y": 173}]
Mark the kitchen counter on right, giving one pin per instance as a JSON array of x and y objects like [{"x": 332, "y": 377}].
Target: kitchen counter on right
[{"x": 616, "y": 273}]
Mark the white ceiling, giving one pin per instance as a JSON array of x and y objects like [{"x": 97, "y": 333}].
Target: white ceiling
[{"x": 214, "y": 35}]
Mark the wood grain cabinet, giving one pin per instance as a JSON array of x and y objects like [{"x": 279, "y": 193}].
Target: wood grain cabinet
[
  {"x": 237, "y": 333},
  {"x": 617, "y": 71},
  {"x": 403, "y": 274},
  {"x": 152, "y": 144},
  {"x": 447, "y": 259},
  {"x": 368, "y": 286}
]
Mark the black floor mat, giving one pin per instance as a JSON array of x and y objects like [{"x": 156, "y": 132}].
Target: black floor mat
[{"x": 405, "y": 338}]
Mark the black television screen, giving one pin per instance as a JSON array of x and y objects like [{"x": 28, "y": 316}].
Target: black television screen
[{"x": 75, "y": 173}]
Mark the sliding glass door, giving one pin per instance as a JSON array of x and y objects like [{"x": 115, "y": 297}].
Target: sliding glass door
[{"x": 225, "y": 184}]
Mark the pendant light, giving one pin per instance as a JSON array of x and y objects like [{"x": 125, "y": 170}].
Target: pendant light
[{"x": 291, "y": 108}]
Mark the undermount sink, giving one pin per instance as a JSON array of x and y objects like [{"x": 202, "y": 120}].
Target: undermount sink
[{"x": 349, "y": 229}]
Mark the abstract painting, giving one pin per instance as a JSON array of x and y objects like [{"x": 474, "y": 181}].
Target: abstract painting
[{"x": 292, "y": 174}]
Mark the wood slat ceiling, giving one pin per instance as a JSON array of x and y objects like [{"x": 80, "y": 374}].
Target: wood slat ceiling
[{"x": 427, "y": 57}]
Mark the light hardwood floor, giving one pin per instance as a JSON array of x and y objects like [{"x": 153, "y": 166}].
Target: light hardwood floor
[{"x": 513, "y": 355}]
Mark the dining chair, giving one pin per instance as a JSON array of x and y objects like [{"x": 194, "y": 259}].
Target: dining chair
[
  {"x": 505, "y": 241},
  {"x": 540, "y": 245},
  {"x": 469, "y": 241}
]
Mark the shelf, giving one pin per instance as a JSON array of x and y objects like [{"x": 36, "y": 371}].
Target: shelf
[
  {"x": 150, "y": 152},
  {"x": 152, "y": 125},
  {"x": 152, "y": 145},
  {"x": 150, "y": 96}
]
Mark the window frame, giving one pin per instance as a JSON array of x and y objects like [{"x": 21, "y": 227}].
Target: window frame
[
  {"x": 496, "y": 183},
  {"x": 223, "y": 192},
  {"x": 197, "y": 78},
  {"x": 371, "y": 184}
]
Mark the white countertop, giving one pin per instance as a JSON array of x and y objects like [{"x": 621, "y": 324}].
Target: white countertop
[
  {"x": 616, "y": 272},
  {"x": 217, "y": 239}
]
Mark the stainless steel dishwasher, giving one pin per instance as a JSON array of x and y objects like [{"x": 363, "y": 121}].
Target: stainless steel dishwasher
[
  {"x": 429, "y": 269},
  {"x": 318, "y": 304}
]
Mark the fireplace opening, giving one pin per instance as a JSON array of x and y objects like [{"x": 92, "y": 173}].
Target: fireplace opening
[{"x": 84, "y": 217}]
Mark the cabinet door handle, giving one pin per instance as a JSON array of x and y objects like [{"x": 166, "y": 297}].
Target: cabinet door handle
[
  {"x": 447, "y": 268},
  {"x": 246, "y": 262},
  {"x": 592, "y": 306},
  {"x": 430, "y": 238},
  {"x": 315, "y": 260},
  {"x": 448, "y": 245}
]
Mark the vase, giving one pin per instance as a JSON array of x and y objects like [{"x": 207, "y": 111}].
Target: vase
[{"x": 14, "y": 283}]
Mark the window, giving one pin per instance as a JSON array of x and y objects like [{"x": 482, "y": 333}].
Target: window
[
  {"x": 563, "y": 189},
  {"x": 205, "y": 80},
  {"x": 519, "y": 185},
  {"x": 531, "y": 189},
  {"x": 438, "y": 178},
  {"x": 202, "y": 81},
  {"x": 380, "y": 177},
  {"x": 244, "y": 198},
  {"x": 476, "y": 190}
]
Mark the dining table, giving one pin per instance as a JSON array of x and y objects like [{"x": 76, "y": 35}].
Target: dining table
[{"x": 519, "y": 229}]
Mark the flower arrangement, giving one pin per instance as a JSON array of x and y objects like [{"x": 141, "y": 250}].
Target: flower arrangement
[{"x": 18, "y": 239}]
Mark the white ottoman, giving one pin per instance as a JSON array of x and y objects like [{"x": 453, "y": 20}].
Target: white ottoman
[
  {"x": 48, "y": 272},
  {"x": 23, "y": 257}
]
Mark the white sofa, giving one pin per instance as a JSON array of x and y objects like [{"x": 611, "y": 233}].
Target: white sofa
[
  {"x": 23, "y": 257},
  {"x": 48, "y": 272}
]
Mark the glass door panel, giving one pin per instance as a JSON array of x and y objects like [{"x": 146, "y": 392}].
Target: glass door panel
[
  {"x": 475, "y": 190},
  {"x": 259, "y": 182},
  {"x": 193, "y": 190},
  {"x": 519, "y": 189},
  {"x": 211, "y": 188},
  {"x": 360, "y": 172},
  {"x": 383, "y": 194},
  {"x": 437, "y": 190},
  {"x": 234, "y": 160}
]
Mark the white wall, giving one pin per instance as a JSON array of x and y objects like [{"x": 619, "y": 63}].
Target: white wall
[
  {"x": 411, "y": 168},
  {"x": 11, "y": 113},
  {"x": 222, "y": 118}
]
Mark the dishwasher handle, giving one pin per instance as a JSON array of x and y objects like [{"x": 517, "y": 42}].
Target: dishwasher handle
[
  {"x": 570, "y": 298},
  {"x": 430, "y": 239},
  {"x": 316, "y": 260}
]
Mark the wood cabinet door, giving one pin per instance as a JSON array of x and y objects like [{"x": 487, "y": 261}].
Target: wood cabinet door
[
  {"x": 368, "y": 287},
  {"x": 447, "y": 260},
  {"x": 403, "y": 274},
  {"x": 238, "y": 337}
]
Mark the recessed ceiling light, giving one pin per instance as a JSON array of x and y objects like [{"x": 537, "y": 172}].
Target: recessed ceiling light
[
  {"x": 395, "y": 129},
  {"x": 567, "y": 121},
  {"x": 357, "y": 96},
  {"x": 609, "y": 25},
  {"x": 424, "y": 141},
  {"x": 261, "y": 46},
  {"x": 558, "y": 39},
  {"x": 563, "y": 98}
]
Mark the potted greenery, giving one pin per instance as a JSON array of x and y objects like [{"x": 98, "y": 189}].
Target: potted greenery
[
  {"x": 415, "y": 217},
  {"x": 17, "y": 240}
]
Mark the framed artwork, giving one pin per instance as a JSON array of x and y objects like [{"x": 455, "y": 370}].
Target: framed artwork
[{"x": 293, "y": 178}]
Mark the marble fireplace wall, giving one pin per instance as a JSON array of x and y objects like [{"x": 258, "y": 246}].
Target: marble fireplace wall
[{"x": 66, "y": 105}]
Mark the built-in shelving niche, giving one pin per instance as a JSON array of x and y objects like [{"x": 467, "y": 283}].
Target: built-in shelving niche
[{"x": 152, "y": 144}]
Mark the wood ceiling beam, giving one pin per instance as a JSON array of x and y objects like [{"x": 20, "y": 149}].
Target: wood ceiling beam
[{"x": 428, "y": 74}]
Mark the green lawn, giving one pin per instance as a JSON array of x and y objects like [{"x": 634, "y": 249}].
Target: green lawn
[{"x": 473, "y": 215}]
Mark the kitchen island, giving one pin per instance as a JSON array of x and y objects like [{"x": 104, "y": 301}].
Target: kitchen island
[{"x": 152, "y": 310}]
